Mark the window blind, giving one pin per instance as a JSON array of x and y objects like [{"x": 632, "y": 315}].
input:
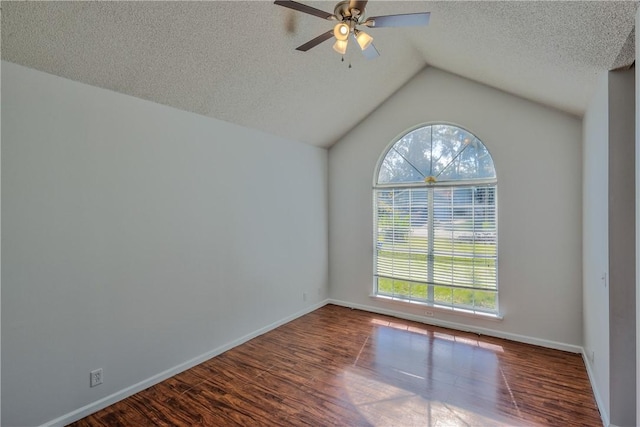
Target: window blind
[{"x": 437, "y": 244}]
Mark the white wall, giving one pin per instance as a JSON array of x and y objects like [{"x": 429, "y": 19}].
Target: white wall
[
  {"x": 537, "y": 153},
  {"x": 622, "y": 306},
  {"x": 136, "y": 237},
  {"x": 609, "y": 247},
  {"x": 595, "y": 242},
  {"x": 0, "y": 247},
  {"x": 637, "y": 167}
]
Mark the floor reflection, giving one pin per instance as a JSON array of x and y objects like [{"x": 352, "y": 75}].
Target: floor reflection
[
  {"x": 342, "y": 367},
  {"x": 411, "y": 375},
  {"x": 383, "y": 404}
]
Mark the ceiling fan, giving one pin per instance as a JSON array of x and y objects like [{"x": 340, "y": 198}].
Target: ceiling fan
[{"x": 350, "y": 14}]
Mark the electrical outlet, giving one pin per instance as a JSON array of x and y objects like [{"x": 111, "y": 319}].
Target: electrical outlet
[
  {"x": 304, "y": 296},
  {"x": 96, "y": 377}
]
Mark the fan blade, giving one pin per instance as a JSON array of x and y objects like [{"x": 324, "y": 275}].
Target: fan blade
[
  {"x": 315, "y": 42},
  {"x": 406, "y": 20},
  {"x": 371, "y": 52},
  {"x": 358, "y": 4},
  {"x": 304, "y": 8}
]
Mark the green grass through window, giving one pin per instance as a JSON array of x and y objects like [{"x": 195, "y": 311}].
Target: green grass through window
[{"x": 467, "y": 264}]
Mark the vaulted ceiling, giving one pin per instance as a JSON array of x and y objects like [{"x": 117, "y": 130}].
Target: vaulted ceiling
[{"x": 236, "y": 60}]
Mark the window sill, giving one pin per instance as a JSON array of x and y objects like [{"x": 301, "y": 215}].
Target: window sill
[{"x": 433, "y": 309}]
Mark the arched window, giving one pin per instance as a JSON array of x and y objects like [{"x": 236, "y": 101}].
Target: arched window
[{"x": 435, "y": 221}]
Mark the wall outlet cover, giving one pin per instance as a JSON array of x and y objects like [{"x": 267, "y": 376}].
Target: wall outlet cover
[{"x": 96, "y": 377}]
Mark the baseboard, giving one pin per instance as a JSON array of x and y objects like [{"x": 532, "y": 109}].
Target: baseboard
[
  {"x": 498, "y": 334},
  {"x": 463, "y": 327},
  {"x": 604, "y": 415},
  {"x": 129, "y": 391}
]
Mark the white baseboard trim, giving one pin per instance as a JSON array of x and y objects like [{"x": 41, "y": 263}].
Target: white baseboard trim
[
  {"x": 604, "y": 415},
  {"x": 135, "y": 388},
  {"x": 462, "y": 327},
  {"x": 493, "y": 333},
  {"x": 498, "y": 334}
]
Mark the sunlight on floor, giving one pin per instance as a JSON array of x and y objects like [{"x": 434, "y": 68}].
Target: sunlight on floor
[
  {"x": 411, "y": 391},
  {"x": 385, "y": 405},
  {"x": 439, "y": 335}
]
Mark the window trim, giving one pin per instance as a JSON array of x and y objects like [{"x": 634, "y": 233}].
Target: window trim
[
  {"x": 433, "y": 306},
  {"x": 399, "y": 136},
  {"x": 469, "y": 182},
  {"x": 431, "y": 309}
]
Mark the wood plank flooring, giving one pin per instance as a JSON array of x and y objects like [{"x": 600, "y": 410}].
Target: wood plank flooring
[{"x": 343, "y": 367}]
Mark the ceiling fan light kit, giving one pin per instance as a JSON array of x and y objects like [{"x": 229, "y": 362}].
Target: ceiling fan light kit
[
  {"x": 350, "y": 14},
  {"x": 363, "y": 39},
  {"x": 340, "y": 46},
  {"x": 341, "y": 31}
]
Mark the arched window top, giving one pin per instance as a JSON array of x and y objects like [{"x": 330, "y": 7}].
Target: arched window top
[{"x": 438, "y": 153}]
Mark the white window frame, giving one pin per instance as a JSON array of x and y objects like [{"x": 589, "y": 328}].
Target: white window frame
[{"x": 488, "y": 284}]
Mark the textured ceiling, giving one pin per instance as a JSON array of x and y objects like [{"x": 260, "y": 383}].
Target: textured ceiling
[{"x": 236, "y": 61}]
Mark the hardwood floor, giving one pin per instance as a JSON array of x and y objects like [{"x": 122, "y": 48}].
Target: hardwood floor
[{"x": 345, "y": 367}]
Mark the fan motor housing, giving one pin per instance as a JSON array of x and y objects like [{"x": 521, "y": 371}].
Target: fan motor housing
[{"x": 344, "y": 13}]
